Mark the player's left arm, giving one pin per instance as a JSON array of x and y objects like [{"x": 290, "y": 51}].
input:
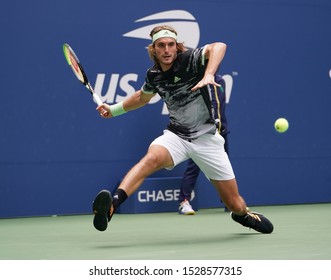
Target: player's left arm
[{"x": 214, "y": 53}]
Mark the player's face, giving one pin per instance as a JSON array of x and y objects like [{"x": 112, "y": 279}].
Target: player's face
[{"x": 166, "y": 52}]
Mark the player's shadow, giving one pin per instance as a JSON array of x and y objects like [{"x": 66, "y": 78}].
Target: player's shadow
[{"x": 152, "y": 242}]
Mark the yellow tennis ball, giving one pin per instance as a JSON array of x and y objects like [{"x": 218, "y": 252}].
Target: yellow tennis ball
[{"x": 281, "y": 125}]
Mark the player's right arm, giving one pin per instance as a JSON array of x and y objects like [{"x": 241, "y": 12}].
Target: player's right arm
[
  {"x": 133, "y": 102},
  {"x": 137, "y": 100}
]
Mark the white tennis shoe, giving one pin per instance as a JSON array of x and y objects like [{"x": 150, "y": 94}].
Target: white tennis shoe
[{"x": 185, "y": 208}]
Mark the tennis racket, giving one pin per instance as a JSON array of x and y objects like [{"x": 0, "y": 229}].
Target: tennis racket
[{"x": 78, "y": 70}]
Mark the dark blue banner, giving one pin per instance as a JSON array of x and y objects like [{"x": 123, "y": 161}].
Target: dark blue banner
[{"x": 56, "y": 152}]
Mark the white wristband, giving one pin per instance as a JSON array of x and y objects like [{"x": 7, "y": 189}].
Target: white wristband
[{"x": 117, "y": 109}]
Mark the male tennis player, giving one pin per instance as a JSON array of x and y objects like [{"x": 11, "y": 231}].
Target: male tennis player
[{"x": 181, "y": 77}]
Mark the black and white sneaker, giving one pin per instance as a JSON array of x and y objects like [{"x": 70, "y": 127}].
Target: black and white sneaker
[
  {"x": 255, "y": 221},
  {"x": 101, "y": 209}
]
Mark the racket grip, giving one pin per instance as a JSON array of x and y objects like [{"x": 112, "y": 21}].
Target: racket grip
[{"x": 97, "y": 99}]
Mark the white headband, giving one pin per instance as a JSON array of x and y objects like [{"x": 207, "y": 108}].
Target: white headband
[{"x": 164, "y": 33}]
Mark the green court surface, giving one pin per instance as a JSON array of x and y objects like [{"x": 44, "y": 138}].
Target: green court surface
[{"x": 302, "y": 232}]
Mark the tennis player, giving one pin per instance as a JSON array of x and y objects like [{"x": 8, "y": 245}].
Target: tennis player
[{"x": 181, "y": 77}]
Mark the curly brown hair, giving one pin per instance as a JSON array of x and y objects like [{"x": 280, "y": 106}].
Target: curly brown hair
[{"x": 150, "y": 49}]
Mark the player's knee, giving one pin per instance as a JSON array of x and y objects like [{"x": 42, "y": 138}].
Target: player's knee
[{"x": 153, "y": 161}]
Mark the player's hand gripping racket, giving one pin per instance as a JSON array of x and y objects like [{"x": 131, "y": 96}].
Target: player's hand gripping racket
[{"x": 78, "y": 69}]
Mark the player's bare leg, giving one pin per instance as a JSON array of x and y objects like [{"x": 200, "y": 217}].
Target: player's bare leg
[
  {"x": 156, "y": 158},
  {"x": 228, "y": 191}
]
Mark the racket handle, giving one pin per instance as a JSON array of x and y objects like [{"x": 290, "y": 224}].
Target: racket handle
[{"x": 97, "y": 99}]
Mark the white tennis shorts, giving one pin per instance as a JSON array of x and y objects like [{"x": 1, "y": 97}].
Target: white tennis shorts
[{"x": 207, "y": 152}]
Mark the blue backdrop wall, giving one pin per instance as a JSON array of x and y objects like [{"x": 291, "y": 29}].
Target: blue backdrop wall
[{"x": 56, "y": 153}]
